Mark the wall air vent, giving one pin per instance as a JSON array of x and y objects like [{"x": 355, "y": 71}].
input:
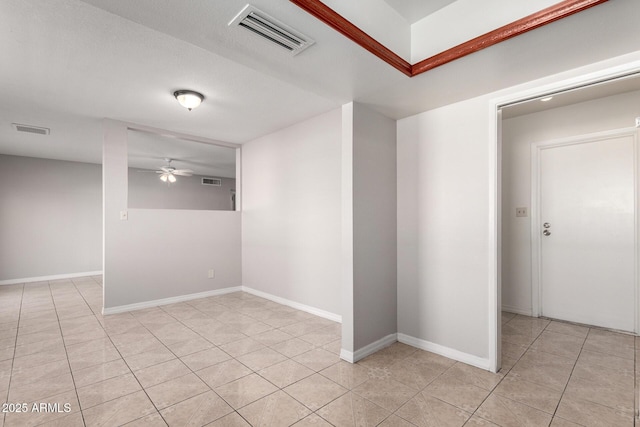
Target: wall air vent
[
  {"x": 271, "y": 29},
  {"x": 30, "y": 129},
  {"x": 212, "y": 181}
]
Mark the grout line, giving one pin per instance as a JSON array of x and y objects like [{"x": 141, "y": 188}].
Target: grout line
[
  {"x": 15, "y": 345},
  {"x": 75, "y": 389}
]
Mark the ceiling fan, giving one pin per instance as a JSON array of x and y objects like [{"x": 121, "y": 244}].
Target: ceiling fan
[{"x": 168, "y": 173}]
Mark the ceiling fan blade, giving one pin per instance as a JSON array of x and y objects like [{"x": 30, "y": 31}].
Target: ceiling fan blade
[
  {"x": 183, "y": 172},
  {"x": 166, "y": 169}
]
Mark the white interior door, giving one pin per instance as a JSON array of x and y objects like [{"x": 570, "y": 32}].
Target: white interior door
[{"x": 587, "y": 232}]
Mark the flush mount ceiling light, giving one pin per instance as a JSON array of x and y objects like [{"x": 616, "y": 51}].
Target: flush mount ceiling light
[
  {"x": 188, "y": 98},
  {"x": 547, "y": 99}
]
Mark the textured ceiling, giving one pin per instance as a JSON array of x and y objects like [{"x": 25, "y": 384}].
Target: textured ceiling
[{"x": 414, "y": 10}]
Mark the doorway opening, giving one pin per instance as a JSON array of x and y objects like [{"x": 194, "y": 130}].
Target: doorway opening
[{"x": 601, "y": 110}]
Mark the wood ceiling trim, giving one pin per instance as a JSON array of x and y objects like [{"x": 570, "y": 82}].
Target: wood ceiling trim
[
  {"x": 536, "y": 20},
  {"x": 339, "y": 23},
  {"x": 545, "y": 16}
]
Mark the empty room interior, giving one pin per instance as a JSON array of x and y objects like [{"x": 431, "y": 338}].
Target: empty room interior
[{"x": 323, "y": 213}]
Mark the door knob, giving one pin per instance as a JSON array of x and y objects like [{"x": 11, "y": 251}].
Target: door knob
[
  {"x": 546, "y": 225},
  {"x": 546, "y": 233}
]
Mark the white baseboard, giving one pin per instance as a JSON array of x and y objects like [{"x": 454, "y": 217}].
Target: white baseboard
[
  {"x": 451, "y": 353},
  {"x": 361, "y": 353},
  {"x": 52, "y": 277},
  {"x": 510, "y": 309},
  {"x": 312, "y": 310},
  {"x": 171, "y": 300}
]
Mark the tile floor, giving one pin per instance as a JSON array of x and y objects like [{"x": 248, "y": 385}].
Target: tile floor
[{"x": 239, "y": 360}]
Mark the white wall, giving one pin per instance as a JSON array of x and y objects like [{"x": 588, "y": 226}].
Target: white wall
[
  {"x": 443, "y": 258},
  {"x": 374, "y": 226},
  {"x": 50, "y": 217},
  {"x": 146, "y": 191},
  {"x": 291, "y": 213},
  {"x": 447, "y": 183},
  {"x": 518, "y": 134},
  {"x": 159, "y": 253}
]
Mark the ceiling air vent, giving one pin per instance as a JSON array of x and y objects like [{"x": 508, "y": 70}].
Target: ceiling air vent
[
  {"x": 271, "y": 29},
  {"x": 212, "y": 181},
  {"x": 30, "y": 129}
]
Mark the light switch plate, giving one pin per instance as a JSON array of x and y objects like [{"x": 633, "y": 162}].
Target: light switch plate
[{"x": 522, "y": 212}]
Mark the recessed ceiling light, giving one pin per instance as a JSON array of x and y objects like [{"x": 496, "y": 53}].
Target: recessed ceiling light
[
  {"x": 548, "y": 98},
  {"x": 188, "y": 99}
]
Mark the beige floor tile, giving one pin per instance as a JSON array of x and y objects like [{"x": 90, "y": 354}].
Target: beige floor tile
[
  {"x": 560, "y": 344},
  {"x": 276, "y": 409},
  {"x": 223, "y": 373},
  {"x": 94, "y": 358},
  {"x": 34, "y": 418},
  {"x": 315, "y": 391},
  {"x": 292, "y": 347},
  {"x": 38, "y": 359},
  {"x": 90, "y": 346},
  {"x": 353, "y": 410},
  {"x": 161, "y": 372},
  {"x": 151, "y": 420},
  {"x": 243, "y": 346},
  {"x": 395, "y": 421},
  {"x": 231, "y": 420},
  {"x": 545, "y": 369},
  {"x": 334, "y": 347},
  {"x": 476, "y": 376},
  {"x": 73, "y": 420},
  {"x": 476, "y": 421},
  {"x": 513, "y": 351},
  {"x": 39, "y": 372},
  {"x": 568, "y": 329},
  {"x": 245, "y": 390},
  {"x": 194, "y": 345},
  {"x": 509, "y": 413},
  {"x": 462, "y": 394},
  {"x": 285, "y": 373},
  {"x": 105, "y": 371},
  {"x": 205, "y": 358},
  {"x": 620, "y": 345},
  {"x": 272, "y": 337},
  {"x": 348, "y": 375},
  {"x": 196, "y": 411},
  {"x": 412, "y": 375},
  {"x": 50, "y": 345},
  {"x": 149, "y": 358},
  {"x": 607, "y": 393},
  {"x": 589, "y": 414},
  {"x": 386, "y": 393},
  {"x": 317, "y": 359},
  {"x": 426, "y": 411},
  {"x": 261, "y": 359},
  {"x": 41, "y": 389},
  {"x": 320, "y": 337},
  {"x": 106, "y": 390},
  {"x": 528, "y": 393},
  {"x": 598, "y": 359},
  {"x": 312, "y": 420},
  {"x": 119, "y": 411},
  {"x": 430, "y": 360},
  {"x": 176, "y": 390},
  {"x": 559, "y": 422}
]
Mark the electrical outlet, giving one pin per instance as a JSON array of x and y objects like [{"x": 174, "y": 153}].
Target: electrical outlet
[
  {"x": 522, "y": 212},
  {"x": 124, "y": 215},
  {"x": 211, "y": 274}
]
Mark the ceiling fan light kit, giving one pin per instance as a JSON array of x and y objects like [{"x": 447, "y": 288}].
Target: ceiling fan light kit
[
  {"x": 168, "y": 173},
  {"x": 189, "y": 99}
]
